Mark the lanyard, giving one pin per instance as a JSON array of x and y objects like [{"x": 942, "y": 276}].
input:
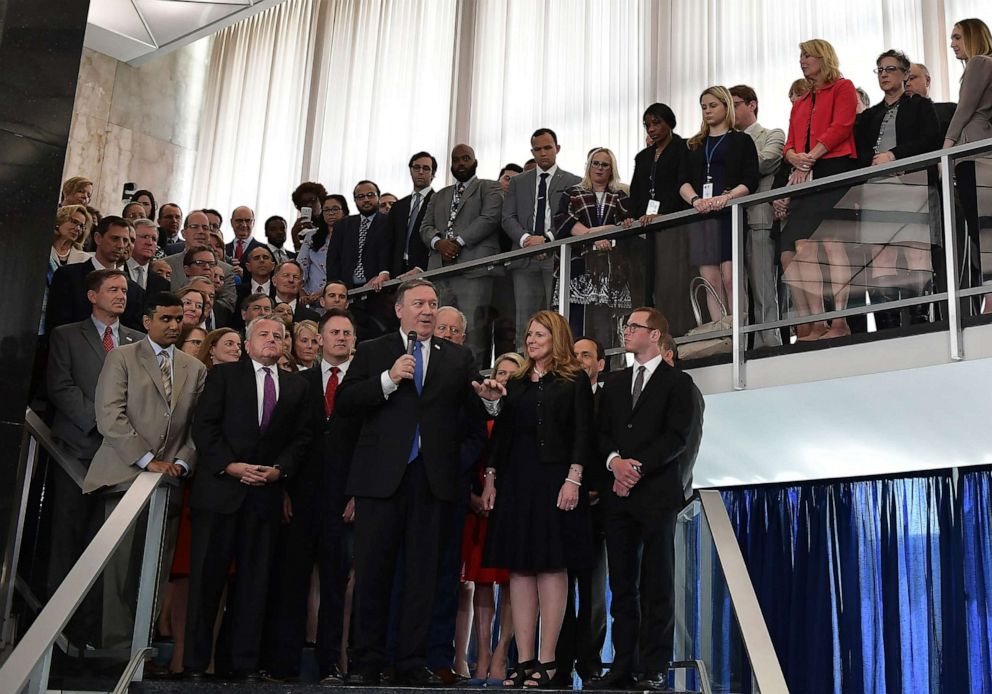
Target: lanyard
[
  {"x": 710, "y": 153},
  {"x": 600, "y": 205}
]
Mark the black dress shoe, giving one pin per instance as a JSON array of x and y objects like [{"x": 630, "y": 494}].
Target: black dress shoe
[
  {"x": 655, "y": 682},
  {"x": 333, "y": 677},
  {"x": 418, "y": 677},
  {"x": 363, "y": 679},
  {"x": 195, "y": 675},
  {"x": 612, "y": 681}
]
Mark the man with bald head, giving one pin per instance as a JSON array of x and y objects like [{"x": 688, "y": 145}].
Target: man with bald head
[
  {"x": 196, "y": 233},
  {"x": 243, "y": 223},
  {"x": 462, "y": 224},
  {"x": 918, "y": 82}
]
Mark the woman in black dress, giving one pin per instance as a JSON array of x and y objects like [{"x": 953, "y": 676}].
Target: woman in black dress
[
  {"x": 540, "y": 527},
  {"x": 722, "y": 164}
]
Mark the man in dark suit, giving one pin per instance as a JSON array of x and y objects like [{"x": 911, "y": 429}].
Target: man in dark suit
[
  {"x": 361, "y": 247},
  {"x": 288, "y": 280},
  {"x": 139, "y": 266},
  {"x": 315, "y": 512},
  {"x": 243, "y": 222},
  {"x": 67, "y": 297},
  {"x": 406, "y": 466},
  {"x": 214, "y": 315},
  {"x": 650, "y": 423},
  {"x": 528, "y": 212},
  {"x": 275, "y": 234},
  {"x": 259, "y": 263},
  {"x": 249, "y": 439},
  {"x": 75, "y": 358},
  {"x": 409, "y": 252},
  {"x": 583, "y": 634},
  {"x": 170, "y": 222},
  {"x": 918, "y": 82}
]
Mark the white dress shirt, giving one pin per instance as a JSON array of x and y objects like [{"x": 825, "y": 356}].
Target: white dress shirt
[
  {"x": 650, "y": 366},
  {"x": 325, "y": 372},
  {"x": 549, "y": 213},
  {"x": 388, "y": 387},
  {"x": 260, "y": 383},
  {"x": 257, "y": 288},
  {"x": 171, "y": 351}
]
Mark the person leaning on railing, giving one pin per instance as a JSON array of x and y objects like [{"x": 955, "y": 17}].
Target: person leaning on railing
[{"x": 820, "y": 143}]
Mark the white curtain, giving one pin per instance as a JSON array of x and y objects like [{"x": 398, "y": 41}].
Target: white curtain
[{"x": 341, "y": 90}]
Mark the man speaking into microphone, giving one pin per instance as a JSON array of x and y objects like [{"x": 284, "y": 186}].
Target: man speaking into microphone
[{"x": 408, "y": 388}]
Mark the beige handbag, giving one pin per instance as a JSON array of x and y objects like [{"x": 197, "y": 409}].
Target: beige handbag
[{"x": 706, "y": 348}]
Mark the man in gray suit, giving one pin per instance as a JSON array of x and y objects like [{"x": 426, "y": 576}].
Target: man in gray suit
[
  {"x": 528, "y": 211},
  {"x": 760, "y": 251},
  {"x": 196, "y": 232},
  {"x": 76, "y": 355},
  {"x": 461, "y": 224},
  {"x": 144, "y": 404}
]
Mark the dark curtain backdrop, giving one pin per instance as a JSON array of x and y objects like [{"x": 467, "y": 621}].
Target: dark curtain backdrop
[{"x": 879, "y": 586}]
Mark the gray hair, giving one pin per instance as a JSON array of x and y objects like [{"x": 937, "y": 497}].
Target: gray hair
[
  {"x": 461, "y": 316},
  {"x": 412, "y": 284},
  {"x": 142, "y": 222},
  {"x": 256, "y": 321}
]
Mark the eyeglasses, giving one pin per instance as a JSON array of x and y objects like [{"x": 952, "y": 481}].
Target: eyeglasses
[
  {"x": 81, "y": 225},
  {"x": 887, "y": 70},
  {"x": 204, "y": 263},
  {"x": 421, "y": 168},
  {"x": 738, "y": 102},
  {"x": 600, "y": 164},
  {"x": 198, "y": 227},
  {"x": 634, "y": 327},
  {"x": 241, "y": 221},
  {"x": 366, "y": 196},
  {"x": 332, "y": 209}
]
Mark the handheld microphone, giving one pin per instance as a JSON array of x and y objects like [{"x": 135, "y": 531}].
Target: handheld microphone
[{"x": 411, "y": 342}]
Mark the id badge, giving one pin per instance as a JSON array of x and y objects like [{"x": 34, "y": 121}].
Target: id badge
[
  {"x": 707, "y": 191},
  {"x": 653, "y": 207}
]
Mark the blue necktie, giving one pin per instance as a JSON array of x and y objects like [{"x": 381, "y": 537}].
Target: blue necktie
[{"x": 418, "y": 381}]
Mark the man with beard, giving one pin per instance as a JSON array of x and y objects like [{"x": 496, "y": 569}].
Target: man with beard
[
  {"x": 361, "y": 246},
  {"x": 275, "y": 234},
  {"x": 462, "y": 224}
]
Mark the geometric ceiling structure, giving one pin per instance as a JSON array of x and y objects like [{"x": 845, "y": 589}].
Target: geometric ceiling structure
[{"x": 134, "y": 31}]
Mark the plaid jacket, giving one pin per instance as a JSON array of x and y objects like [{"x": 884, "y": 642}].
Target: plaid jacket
[{"x": 579, "y": 205}]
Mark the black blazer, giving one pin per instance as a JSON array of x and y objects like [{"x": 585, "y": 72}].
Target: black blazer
[
  {"x": 342, "y": 254},
  {"x": 225, "y": 430},
  {"x": 945, "y": 113},
  {"x": 665, "y": 174},
  {"x": 564, "y": 423},
  {"x": 67, "y": 302},
  {"x": 418, "y": 253},
  {"x": 916, "y": 129},
  {"x": 325, "y": 469},
  {"x": 741, "y": 165},
  {"x": 388, "y": 425},
  {"x": 303, "y": 313},
  {"x": 663, "y": 433},
  {"x": 252, "y": 243}
]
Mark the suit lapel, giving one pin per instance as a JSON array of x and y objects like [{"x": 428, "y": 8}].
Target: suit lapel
[
  {"x": 653, "y": 384},
  {"x": 94, "y": 340},
  {"x": 626, "y": 398},
  {"x": 179, "y": 376},
  {"x": 469, "y": 189},
  {"x": 433, "y": 364},
  {"x": 150, "y": 363}
]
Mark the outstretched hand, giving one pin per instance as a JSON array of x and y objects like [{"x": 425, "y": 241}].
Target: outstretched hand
[{"x": 489, "y": 389}]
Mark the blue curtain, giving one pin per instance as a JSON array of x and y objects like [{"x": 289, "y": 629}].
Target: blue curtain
[{"x": 879, "y": 586}]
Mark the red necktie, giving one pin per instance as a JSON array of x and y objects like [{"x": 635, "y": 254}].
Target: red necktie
[
  {"x": 108, "y": 339},
  {"x": 332, "y": 386},
  {"x": 239, "y": 249}
]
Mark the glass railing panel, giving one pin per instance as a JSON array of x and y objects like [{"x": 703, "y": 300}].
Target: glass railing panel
[{"x": 973, "y": 184}]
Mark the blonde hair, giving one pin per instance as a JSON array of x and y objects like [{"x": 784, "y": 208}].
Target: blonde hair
[
  {"x": 509, "y": 356},
  {"x": 563, "y": 361},
  {"x": 800, "y": 87},
  {"x": 65, "y": 213},
  {"x": 976, "y": 36},
  {"x": 819, "y": 48},
  {"x": 614, "y": 183},
  {"x": 74, "y": 185},
  {"x": 723, "y": 95}
]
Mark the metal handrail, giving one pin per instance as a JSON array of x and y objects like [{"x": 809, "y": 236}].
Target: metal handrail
[
  {"x": 30, "y": 660},
  {"x": 43, "y": 435},
  {"x": 678, "y": 219}
]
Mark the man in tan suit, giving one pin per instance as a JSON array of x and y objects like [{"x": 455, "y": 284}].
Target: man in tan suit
[{"x": 144, "y": 408}]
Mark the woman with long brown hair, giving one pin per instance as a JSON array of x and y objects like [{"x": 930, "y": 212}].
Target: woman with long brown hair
[{"x": 539, "y": 526}]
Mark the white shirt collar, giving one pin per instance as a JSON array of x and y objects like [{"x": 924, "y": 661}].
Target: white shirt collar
[
  {"x": 98, "y": 265},
  {"x": 423, "y": 191},
  {"x": 650, "y": 366},
  {"x": 325, "y": 368},
  {"x": 551, "y": 172},
  {"x": 749, "y": 130},
  {"x": 258, "y": 366}
]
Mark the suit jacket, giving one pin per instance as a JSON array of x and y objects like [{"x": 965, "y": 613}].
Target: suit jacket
[
  {"x": 581, "y": 205},
  {"x": 564, "y": 430},
  {"x": 740, "y": 165},
  {"x": 226, "y": 430},
  {"x": 226, "y": 296},
  {"x": 342, "y": 255},
  {"x": 663, "y": 433},
  {"x": 945, "y": 112},
  {"x": 388, "y": 425},
  {"x": 163, "y": 240},
  {"x": 768, "y": 143},
  {"x": 134, "y": 417},
  {"x": 153, "y": 282},
  {"x": 75, "y": 358},
  {"x": 916, "y": 129},
  {"x": 657, "y": 180},
  {"x": 290, "y": 255},
  {"x": 972, "y": 119},
  {"x": 67, "y": 302},
  {"x": 476, "y": 221},
  {"x": 325, "y": 469},
  {"x": 518, "y": 207},
  {"x": 252, "y": 243},
  {"x": 303, "y": 313},
  {"x": 417, "y": 253}
]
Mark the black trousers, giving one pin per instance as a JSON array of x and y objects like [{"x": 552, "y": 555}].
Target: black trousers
[
  {"x": 314, "y": 535},
  {"x": 640, "y": 543},
  {"x": 411, "y": 518},
  {"x": 583, "y": 631},
  {"x": 248, "y": 537}
]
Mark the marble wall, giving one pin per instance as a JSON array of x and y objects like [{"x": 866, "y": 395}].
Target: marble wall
[{"x": 138, "y": 124}]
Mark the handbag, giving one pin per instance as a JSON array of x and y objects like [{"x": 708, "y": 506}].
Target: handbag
[{"x": 706, "y": 348}]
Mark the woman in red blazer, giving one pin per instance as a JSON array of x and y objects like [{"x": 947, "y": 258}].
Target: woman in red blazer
[{"x": 820, "y": 144}]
